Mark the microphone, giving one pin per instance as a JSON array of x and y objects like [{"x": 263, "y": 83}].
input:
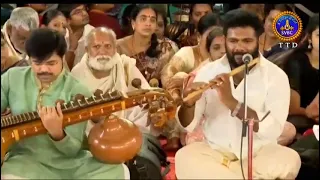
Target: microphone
[{"x": 247, "y": 58}]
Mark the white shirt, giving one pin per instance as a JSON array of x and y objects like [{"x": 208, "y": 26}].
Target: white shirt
[
  {"x": 81, "y": 49},
  {"x": 268, "y": 89},
  {"x": 316, "y": 131}
]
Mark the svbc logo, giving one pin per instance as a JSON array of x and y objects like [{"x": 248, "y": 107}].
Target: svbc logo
[{"x": 287, "y": 26}]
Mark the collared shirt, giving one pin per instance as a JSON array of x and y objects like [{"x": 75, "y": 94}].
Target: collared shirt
[{"x": 268, "y": 90}]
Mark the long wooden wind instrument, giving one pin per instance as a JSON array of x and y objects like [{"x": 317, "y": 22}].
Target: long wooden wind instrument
[{"x": 209, "y": 85}]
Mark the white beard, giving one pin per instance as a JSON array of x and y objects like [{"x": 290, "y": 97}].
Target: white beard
[{"x": 101, "y": 63}]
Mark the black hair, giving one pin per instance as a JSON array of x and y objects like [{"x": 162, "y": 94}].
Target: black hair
[
  {"x": 280, "y": 7},
  {"x": 193, "y": 5},
  {"x": 43, "y": 42},
  {"x": 22, "y": 5},
  {"x": 241, "y": 18},
  {"x": 126, "y": 15},
  {"x": 152, "y": 51},
  {"x": 207, "y": 21},
  {"x": 215, "y": 32},
  {"x": 66, "y": 9},
  {"x": 164, "y": 17},
  {"x": 283, "y": 57},
  {"x": 313, "y": 24},
  {"x": 50, "y": 15}
]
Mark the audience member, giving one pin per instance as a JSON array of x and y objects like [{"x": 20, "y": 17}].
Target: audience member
[
  {"x": 160, "y": 31},
  {"x": 125, "y": 20},
  {"x": 150, "y": 54},
  {"x": 18, "y": 28},
  {"x": 268, "y": 41},
  {"x": 188, "y": 58},
  {"x": 144, "y": 45},
  {"x": 191, "y": 36},
  {"x": 8, "y": 59},
  {"x": 216, "y": 47},
  {"x": 302, "y": 68},
  {"x": 98, "y": 17},
  {"x": 78, "y": 19},
  {"x": 54, "y": 19}
]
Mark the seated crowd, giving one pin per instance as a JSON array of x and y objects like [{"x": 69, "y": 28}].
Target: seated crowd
[{"x": 73, "y": 49}]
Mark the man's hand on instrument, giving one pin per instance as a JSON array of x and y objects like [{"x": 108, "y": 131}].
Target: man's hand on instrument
[
  {"x": 52, "y": 120},
  {"x": 6, "y": 112},
  {"x": 175, "y": 82},
  {"x": 192, "y": 88},
  {"x": 223, "y": 88}
]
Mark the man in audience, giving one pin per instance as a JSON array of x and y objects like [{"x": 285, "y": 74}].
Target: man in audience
[
  {"x": 18, "y": 28},
  {"x": 222, "y": 107},
  {"x": 7, "y": 59},
  {"x": 59, "y": 153},
  {"x": 78, "y": 19},
  {"x": 103, "y": 68}
]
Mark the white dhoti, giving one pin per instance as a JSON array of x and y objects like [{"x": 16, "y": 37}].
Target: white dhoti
[{"x": 199, "y": 161}]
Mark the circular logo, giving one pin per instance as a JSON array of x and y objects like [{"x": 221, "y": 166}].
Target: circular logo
[{"x": 287, "y": 26}]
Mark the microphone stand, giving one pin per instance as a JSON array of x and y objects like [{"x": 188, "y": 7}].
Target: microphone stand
[{"x": 247, "y": 122}]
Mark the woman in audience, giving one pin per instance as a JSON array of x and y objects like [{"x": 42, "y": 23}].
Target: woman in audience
[
  {"x": 54, "y": 19},
  {"x": 191, "y": 37},
  {"x": 150, "y": 54},
  {"x": 143, "y": 45},
  {"x": 215, "y": 45},
  {"x": 302, "y": 68},
  {"x": 125, "y": 20},
  {"x": 268, "y": 41},
  {"x": 160, "y": 31},
  {"x": 188, "y": 58}
]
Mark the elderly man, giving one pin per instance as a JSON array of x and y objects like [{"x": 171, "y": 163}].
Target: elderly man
[
  {"x": 17, "y": 29},
  {"x": 221, "y": 155},
  {"x": 78, "y": 19},
  {"x": 58, "y": 154},
  {"x": 7, "y": 60},
  {"x": 103, "y": 68}
]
